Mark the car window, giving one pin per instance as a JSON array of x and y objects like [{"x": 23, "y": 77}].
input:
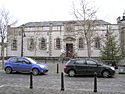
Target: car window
[
  {"x": 14, "y": 59},
  {"x": 23, "y": 61},
  {"x": 80, "y": 62},
  {"x": 90, "y": 62}
]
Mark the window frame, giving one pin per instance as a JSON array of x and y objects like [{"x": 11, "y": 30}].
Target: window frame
[
  {"x": 81, "y": 43},
  {"x": 97, "y": 43},
  {"x": 44, "y": 45},
  {"x": 58, "y": 43},
  {"x": 14, "y": 45},
  {"x": 31, "y": 46}
]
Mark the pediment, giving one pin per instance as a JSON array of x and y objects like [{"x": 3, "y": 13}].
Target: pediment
[{"x": 69, "y": 39}]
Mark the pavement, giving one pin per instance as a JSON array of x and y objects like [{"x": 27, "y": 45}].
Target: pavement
[
  {"x": 26, "y": 90},
  {"x": 22, "y": 88}
]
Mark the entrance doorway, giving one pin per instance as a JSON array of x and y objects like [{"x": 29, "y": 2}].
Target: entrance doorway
[{"x": 69, "y": 50}]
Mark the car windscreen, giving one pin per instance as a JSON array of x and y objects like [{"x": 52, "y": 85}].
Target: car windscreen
[
  {"x": 32, "y": 61},
  {"x": 71, "y": 61}
]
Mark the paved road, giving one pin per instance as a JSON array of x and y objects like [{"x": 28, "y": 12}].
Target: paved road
[{"x": 52, "y": 81}]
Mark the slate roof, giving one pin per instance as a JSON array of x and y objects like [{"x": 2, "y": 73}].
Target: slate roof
[
  {"x": 56, "y": 23},
  {"x": 45, "y": 23}
]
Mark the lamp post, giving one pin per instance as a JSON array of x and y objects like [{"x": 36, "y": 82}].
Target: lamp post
[
  {"x": 22, "y": 36},
  {"x": 50, "y": 40}
]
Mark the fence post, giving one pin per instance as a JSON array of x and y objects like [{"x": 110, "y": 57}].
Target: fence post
[
  {"x": 95, "y": 82},
  {"x": 62, "y": 81},
  {"x": 31, "y": 80}
]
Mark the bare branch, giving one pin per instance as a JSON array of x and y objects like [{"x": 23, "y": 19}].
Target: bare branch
[{"x": 86, "y": 17}]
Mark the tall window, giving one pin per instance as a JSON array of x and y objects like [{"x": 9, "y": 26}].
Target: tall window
[
  {"x": 58, "y": 43},
  {"x": 97, "y": 43},
  {"x": 42, "y": 44},
  {"x": 81, "y": 43},
  {"x": 31, "y": 44},
  {"x": 14, "y": 44}
]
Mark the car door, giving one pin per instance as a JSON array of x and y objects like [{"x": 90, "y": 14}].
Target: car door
[
  {"x": 13, "y": 63},
  {"x": 92, "y": 67},
  {"x": 23, "y": 65},
  {"x": 80, "y": 66}
]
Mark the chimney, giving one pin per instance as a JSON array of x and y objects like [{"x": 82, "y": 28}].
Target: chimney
[
  {"x": 124, "y": 15},
  {"x": 118, "y": 19}
]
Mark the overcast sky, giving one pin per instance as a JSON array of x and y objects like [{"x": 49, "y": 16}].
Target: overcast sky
[{"x": 59, "y": 10}]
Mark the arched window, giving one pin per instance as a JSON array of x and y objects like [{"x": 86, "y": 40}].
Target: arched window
[
  {"x": 42, "y": 44},
  {"x": 58, "y": 43},
  {"x": 97, "y": 43},
  {"x": 81, "y": 43},
  {"x": 14, "y": 44}
]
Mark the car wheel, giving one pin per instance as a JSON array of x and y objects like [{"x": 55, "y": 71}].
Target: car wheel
[
  {"x": 8, "y": 70},
  {"x": 71, "y": 73},
  {"x": 35, "y": 71},
  {"x": 105, "y": 74}
]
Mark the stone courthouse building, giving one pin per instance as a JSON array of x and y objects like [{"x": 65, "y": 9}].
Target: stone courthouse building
[{"x": 53, "y": 38}]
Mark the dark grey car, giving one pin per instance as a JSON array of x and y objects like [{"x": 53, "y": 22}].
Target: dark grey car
[{"x": 88, "y": 67}]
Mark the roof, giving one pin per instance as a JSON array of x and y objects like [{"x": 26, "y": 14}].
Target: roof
[
  {"x": 57, "y": 23},
  {"x": 45, "y": 23},
  {"x": 102, "y": 22}
]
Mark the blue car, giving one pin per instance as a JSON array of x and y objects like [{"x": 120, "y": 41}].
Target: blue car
[{"x": 25, "y": 65}]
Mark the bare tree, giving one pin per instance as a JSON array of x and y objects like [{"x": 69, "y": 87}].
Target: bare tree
[
  {"x": 86, "y": 17},
  {"x": 5, "y": 21}
]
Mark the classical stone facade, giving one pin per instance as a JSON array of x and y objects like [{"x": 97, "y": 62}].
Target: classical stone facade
[
  {"x": 121, "y": 24},
  {"x": 54, "y": 38}
]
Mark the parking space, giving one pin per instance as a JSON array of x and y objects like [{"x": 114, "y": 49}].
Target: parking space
[{"x": 52, "y": 80}]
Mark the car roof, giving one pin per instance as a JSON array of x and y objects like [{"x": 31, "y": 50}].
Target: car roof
[
  {"x": 18, "y": 57},
  {"x": 83, "y": 59}
]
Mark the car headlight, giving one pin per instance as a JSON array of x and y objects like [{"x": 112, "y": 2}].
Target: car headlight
[
  {"x": 42, "y": 66},
  {"x": 113, "y": 68}
]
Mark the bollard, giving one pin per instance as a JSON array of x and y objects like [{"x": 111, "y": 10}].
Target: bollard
[
  {"x": 95, "y": 82},
  {"x": 31, "y": 80},
  {"x": 62, "y": 82},
  {"x": 57, "y": 68}
]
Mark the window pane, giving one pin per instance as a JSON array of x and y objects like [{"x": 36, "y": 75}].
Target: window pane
[
  {"x": 80, "y": 61},
  {"x": 58, "y": 44},
  {"x": 14, "y": 45},
  {"x": 55, "y": 28},
  {"x": 97, "y": 43},
  {"x": 91, "y": 62},
  {"x": 81, "y": 43},
  {"x": 42, "y": 44},
  {"x": 45, "y": 28},
  {"x": 31, "y": 44},
  {"x": 14, "y": 59}
]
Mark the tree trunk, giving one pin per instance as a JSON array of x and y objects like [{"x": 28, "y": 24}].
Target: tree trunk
[
  {"x": 89, "y": 49},
  {"x": 2, "y": 52}
]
